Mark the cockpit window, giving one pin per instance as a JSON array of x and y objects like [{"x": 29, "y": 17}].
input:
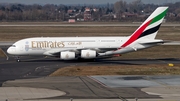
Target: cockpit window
[{"x": 13, "y": 46}]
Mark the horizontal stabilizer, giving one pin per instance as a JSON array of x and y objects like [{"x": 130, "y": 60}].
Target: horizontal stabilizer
[{"x": 152, "y": 42}]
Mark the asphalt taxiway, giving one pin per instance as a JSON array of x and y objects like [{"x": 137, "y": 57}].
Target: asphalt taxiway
[{"x": 31, "y": 75}]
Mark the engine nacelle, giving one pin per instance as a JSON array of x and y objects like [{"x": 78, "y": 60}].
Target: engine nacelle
[
  {"x": 67, "y": 55},
  {"x": 88, "y": 54}
]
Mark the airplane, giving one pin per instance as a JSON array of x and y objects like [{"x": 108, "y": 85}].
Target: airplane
[{"x": 71, "y": 48}]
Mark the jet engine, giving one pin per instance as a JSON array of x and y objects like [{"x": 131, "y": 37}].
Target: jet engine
[
  {"x": 88, "y": 54},
  {"x": 67, "y": 55}
]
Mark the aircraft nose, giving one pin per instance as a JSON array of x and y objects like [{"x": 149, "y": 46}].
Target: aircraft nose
[{"x": 10, "y": 50}]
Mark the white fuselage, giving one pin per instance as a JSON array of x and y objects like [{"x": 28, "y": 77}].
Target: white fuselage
[{"x": 45, "y": 46}]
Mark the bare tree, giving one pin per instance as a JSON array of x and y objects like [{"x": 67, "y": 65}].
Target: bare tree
[{"x": 120, "y": 7}]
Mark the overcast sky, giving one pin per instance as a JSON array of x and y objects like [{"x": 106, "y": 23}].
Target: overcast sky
[{"x": 80, "y": 1}]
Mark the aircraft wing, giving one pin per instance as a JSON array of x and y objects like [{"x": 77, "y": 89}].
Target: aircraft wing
[{"x": 56, "y": 52}]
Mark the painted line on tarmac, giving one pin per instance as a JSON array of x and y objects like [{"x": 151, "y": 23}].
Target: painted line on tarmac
[
  {"x": 14, "y": 61},
  {"x": 7, "y": 62},
  {"x": 98, "y": 81}
]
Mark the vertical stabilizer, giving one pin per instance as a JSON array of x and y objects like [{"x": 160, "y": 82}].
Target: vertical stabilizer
[{"x": 150, "y": 27}]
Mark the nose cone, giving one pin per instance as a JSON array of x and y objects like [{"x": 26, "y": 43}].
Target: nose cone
[{"x": 11, "y": 51}]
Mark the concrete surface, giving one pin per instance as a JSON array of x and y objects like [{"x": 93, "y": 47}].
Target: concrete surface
[
  {"x": 20, "y": 93},
  {"x": 79, "y": 88},
  {"x": 166, "y": 92},
  {"x": 138, "y": 81},
  {"x": 167, "y": 87},
  {"x": 33, "y": 73},
  {"x": 159, "y": 87}
]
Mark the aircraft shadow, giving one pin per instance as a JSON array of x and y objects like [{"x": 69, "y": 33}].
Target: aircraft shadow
[{"x": 107, "y": 61}]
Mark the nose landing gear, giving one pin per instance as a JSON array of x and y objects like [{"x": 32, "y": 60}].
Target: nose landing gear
[{"x": 18, "y": 59}]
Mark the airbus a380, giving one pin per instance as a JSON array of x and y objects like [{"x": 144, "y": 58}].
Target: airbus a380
[{"x": 70, "y": 48}]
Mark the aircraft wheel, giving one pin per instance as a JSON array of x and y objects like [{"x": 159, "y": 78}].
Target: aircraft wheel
[{"x": 18, "y": 60}]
